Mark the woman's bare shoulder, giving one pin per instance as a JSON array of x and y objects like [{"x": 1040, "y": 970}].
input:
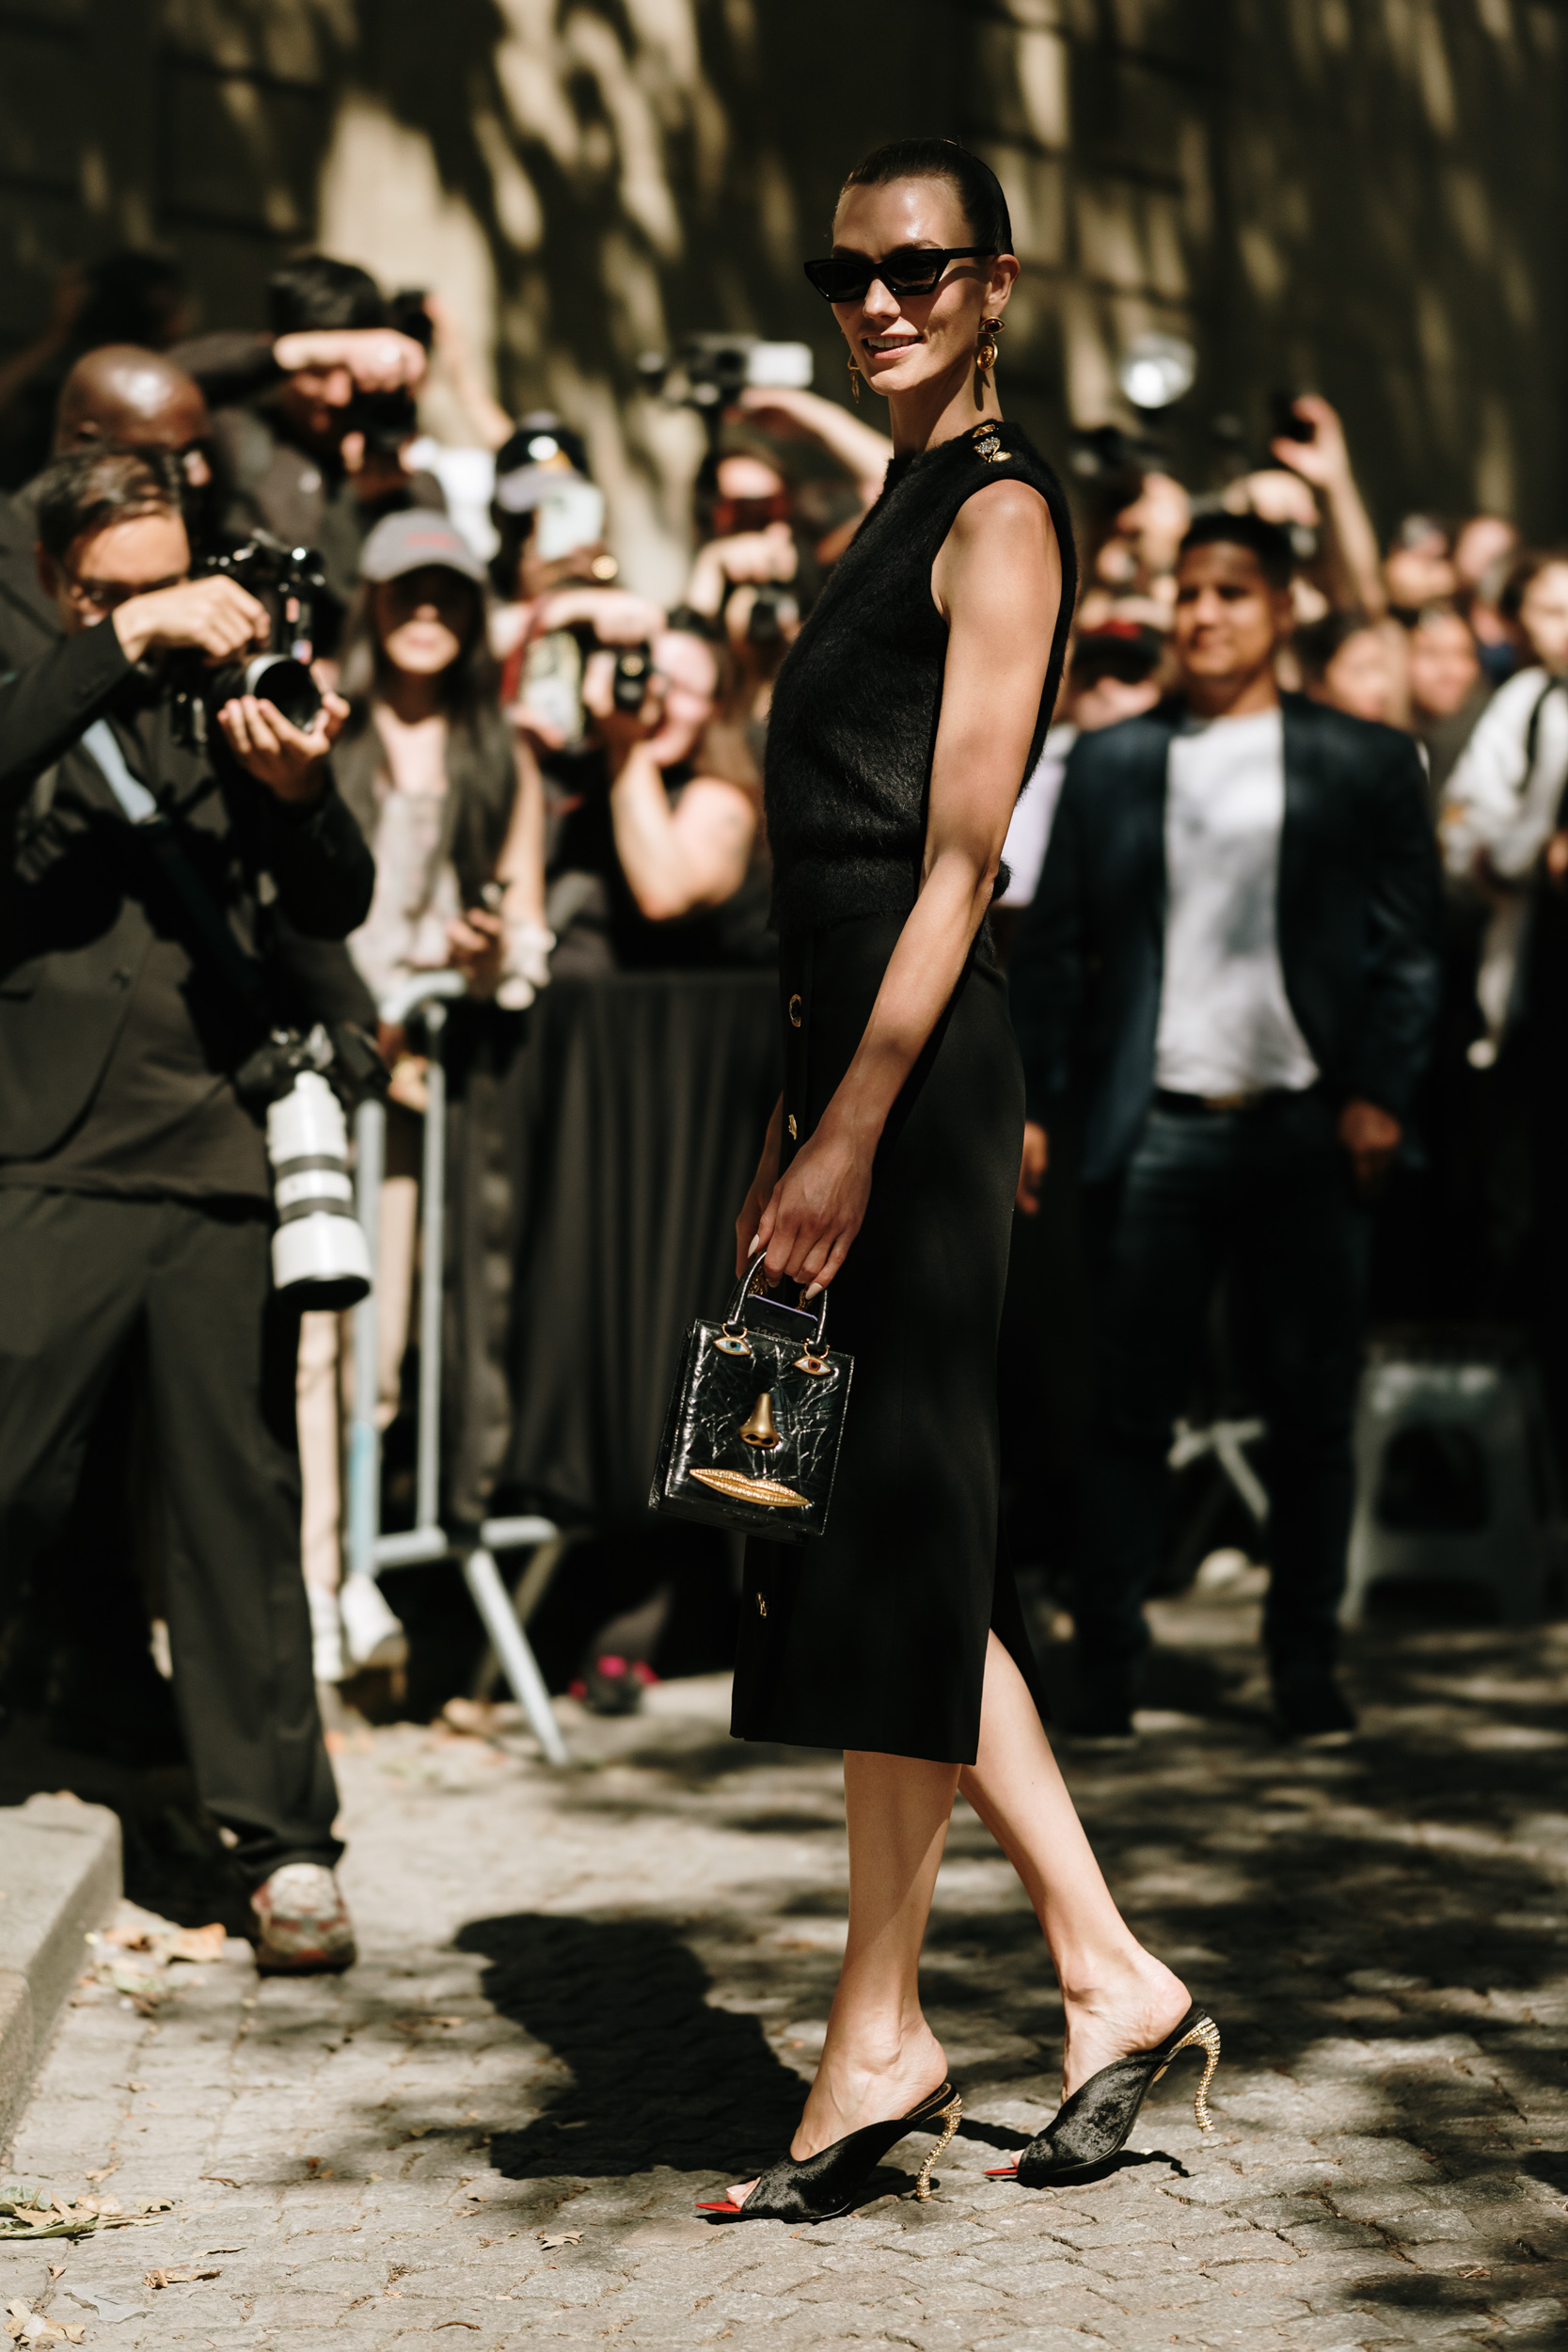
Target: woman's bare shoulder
[
  {"x": 1000, "y": 555},
  {"x": 1006, "y": 505}
]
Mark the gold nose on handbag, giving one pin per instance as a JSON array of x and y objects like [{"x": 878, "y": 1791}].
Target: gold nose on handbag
[{"x": 762, "y": 1429}]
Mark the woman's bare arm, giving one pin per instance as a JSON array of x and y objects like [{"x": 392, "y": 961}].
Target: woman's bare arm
[
  {"x": 998, "y": 581},
  {"x": 520, "y": 867},
  {"x": 677, "y": 859}
]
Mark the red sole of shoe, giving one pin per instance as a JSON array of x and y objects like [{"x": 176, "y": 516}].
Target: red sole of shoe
[
  {"x": 724, "y": 2205},
  {"x": 1001, "y": 2172}
]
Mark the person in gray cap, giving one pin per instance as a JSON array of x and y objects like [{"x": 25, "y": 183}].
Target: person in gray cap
[
  {"x": 425, "y": 726},
  {"x": 453, "y": 811}
]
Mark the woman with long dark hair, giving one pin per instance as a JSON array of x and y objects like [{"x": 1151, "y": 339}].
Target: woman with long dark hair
[
  {"x": 903, "y": 724},
  {"x": 430, "y": 769},
  {"x": 451, "y": 806}
]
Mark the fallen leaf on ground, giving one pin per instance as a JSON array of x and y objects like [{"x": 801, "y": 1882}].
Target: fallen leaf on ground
[
  {"x": 560, "y": 2237},
  {"x": 26, "y": 2220},
  {"x": 26, "y": 2326},
  {"x": 199, "y": 1943},
  {"x": 181, "y": 2276}
]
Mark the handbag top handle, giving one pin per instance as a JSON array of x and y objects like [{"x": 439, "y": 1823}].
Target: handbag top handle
[{"x": 742, "y": 1292}]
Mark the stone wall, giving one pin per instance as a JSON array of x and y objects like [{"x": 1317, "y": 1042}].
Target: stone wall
[{"x": 1356, "y": 195}]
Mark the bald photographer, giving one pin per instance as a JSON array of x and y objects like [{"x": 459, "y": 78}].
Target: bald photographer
[{"x": 160, "y": 822}]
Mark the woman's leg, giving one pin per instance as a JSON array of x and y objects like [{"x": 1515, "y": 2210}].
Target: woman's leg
[
  {"x": 881, "y": 2057},
  {"x": 1117, "y": 1996}
]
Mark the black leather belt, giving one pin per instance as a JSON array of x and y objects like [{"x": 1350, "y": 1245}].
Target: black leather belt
[{"x": 1218, "y": 1105}]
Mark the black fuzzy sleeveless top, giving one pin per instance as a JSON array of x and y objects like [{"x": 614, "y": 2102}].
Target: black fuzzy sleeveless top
[{"x": 853, "y": 724}]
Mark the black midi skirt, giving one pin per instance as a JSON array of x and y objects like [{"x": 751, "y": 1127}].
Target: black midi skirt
[{"x": 874, "y": 1635}]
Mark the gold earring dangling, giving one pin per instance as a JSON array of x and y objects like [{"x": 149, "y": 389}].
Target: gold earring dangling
[
  {"x": 984, "y": 352},
  {"x": 855, "y": 383}
]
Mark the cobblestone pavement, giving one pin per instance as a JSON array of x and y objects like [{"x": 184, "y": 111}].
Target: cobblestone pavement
[{"x": 586, "y": 1998}]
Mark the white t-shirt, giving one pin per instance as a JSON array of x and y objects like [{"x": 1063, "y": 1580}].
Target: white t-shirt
[
  {"x": 1029, "y": 834},
  {"x": 1226, "y": 1023}
]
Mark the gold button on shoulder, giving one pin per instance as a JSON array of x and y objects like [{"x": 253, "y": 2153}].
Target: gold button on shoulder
[
  {"x": 794, "y": 1012},
  {"x": 794, "y": 1131}
]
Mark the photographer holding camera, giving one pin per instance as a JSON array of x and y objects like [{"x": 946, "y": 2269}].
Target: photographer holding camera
[
  {"x": 285, "y": 403},
  {"x": 143, "y": 883}
]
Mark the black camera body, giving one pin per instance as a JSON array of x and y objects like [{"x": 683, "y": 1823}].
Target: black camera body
[{"x": 287, "y": 583}]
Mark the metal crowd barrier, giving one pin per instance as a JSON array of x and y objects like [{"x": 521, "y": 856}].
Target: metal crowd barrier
[{"x": 369, "y": 1549}]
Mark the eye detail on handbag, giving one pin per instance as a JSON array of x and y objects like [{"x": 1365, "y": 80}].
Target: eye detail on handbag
[{"x": 752, "y": 1436}]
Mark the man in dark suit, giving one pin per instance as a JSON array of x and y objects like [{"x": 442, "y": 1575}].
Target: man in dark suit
[
  {"x": 1231, "y": 964},
  {"x": 135, "y": 1197}
]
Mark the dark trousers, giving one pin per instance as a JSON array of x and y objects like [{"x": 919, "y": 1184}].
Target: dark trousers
[
  {"x": 79, "y": 1277},
  {"x": 1266, "y": 1195}
]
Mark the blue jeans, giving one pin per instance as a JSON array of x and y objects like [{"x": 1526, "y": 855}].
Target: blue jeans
[{"x": 1267, "y": 1195}]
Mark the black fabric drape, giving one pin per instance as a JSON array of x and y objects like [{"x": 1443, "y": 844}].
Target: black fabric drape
[{"x": 634, "y": 1118}]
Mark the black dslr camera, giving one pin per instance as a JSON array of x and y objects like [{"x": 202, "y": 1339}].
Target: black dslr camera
[{"x": 288, "y": 581}]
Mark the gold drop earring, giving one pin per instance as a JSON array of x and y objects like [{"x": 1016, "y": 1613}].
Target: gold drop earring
[
  {"x": 985, "y": 351},
  {"x": 854, "y": 382}
]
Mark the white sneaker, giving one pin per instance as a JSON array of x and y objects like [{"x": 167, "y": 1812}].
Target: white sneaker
[
  {"x": 306, "y": 1929},
  {"x": 327, "y": 1635},
  {"x": 372, "y": 1634}
]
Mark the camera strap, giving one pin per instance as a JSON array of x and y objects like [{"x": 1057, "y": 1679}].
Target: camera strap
[{"x": 222, "y": 949}]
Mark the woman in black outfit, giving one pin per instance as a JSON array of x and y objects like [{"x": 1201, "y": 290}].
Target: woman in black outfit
[{"x": 903, "y": 724}]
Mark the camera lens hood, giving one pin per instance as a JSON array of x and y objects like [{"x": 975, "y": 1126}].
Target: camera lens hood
[{"x": 287, "y": 684}]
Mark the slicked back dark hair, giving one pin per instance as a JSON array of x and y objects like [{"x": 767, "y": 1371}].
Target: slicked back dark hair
[
  {"x": 92, "y": 487},
  {"x": 314, "y": 291},
  {"x": 980, "y": 190},
  {"x": 1267, "y": 543}
]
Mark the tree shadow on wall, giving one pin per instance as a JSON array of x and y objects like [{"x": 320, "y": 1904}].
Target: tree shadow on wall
[
  {"x": 657, "y": 2076},
  {"x": 675, "y": 169}
]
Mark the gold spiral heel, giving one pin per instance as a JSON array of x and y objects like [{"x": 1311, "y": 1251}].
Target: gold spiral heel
[
  {"x": 949, "y": 2126},
  {"x": 1205, "y": 2035}
]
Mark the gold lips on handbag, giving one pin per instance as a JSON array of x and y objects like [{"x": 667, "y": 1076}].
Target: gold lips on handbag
[{"x": 752, "y": 1436}]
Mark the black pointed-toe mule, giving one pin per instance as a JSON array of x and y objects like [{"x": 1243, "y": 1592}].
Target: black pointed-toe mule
[
  {"x": 1092, "y": 2126},
  {"x": 821, "y": 2187}
]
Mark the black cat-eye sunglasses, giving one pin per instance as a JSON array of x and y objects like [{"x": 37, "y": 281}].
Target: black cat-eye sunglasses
[{"x": 913, "y": 269}]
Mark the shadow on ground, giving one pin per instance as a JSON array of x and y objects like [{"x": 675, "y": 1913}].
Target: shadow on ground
[{"x": 658, "y": 2076}]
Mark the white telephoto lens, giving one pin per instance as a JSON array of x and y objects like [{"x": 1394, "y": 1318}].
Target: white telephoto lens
[{"x": 319, "y": 1247}]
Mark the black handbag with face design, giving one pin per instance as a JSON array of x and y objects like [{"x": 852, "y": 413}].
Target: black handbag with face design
[{"x": 752, "y": 1438}]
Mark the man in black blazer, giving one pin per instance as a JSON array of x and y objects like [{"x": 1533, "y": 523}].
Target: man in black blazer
[
  {"x": 135, "y": 1195},
  {"x": 1231, "y": 967}
]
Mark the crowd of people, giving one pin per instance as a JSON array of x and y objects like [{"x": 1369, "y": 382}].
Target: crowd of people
[{"x": 521, "y": 771}]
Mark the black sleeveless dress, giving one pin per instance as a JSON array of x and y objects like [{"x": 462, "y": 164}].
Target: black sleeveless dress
[{"x": 874, "y": 1636}]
